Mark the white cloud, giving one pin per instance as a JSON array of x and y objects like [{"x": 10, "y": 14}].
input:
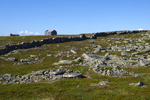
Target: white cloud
[
  {"x": 21, "y": 32},
  {"x": 36, "y": 33},
  {"x": 24, "y": 33},
  {"x": 30, "y": 33},
  {"x": 141, "y": 29}
]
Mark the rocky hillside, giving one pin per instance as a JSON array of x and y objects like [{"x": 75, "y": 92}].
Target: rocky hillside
[{"x": 102, "y": 65}]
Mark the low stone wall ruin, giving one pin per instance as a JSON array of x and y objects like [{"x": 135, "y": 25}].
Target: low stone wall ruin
[{"x": 25, "y": 45}]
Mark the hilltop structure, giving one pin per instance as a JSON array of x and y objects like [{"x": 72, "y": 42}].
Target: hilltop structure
[
  {"x": 14, "y": 34},
  {"x": 50, "y": 32}
]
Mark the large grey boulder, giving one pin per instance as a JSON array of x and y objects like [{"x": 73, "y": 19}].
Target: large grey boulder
[
  {"x": 72, "y": 75},
  {"x": 143, "y": 63},
  {"x": 90, "y": 56},
  {"x": 57, "y": 72},
  {"x": 146, "y": 49},
  {"x": 141, "y": 84}
]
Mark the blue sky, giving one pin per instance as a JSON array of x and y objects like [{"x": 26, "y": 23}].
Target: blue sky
[{"x": 33, "y": 17}]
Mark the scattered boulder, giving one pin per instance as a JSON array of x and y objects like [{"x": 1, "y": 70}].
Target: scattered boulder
[
  {"x": 141, "y": 84},
  {"x": 73, "y": 51},
  {"x": 37, "y": 76},
  {"x": 125, "y": 54},
  {"x": 49, "y": 55},
  {"x": 90, "y": 56},
  {"x": 103, "y": 83},
  {"x": 57, "y": 72},
  {"x": 11, "y": 59},
  {"x": 63, "y": 62},
  {"x": 78, "y": 59},
  {"x": 24, "y": 60},
  {"x": 33, "y": 56},
  {"x": 72, "y": 75}
]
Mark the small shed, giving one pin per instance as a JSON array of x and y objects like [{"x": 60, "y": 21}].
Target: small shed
[
  {"x": 14, "y": 34},
  {"x": 50, "y": 32}
]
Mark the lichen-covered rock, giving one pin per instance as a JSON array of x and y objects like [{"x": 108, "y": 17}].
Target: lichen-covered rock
[
  {"x": 103, "y": 83},
  {"x": 73, "y": 51},
  {"x": 125, "y": 54},
  {"x": 63, "y": 62},
  {"x": 11, "y": 59},
  {"x": 78, "y": 59},
  {"x": 24, "y": 60},
  {"x": 141, "y": 84},
  {"x": 72, "y": 75}
]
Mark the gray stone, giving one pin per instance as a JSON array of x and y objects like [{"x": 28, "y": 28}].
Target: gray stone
[
  {"x": 37, "y": 59},
  {"x": 11, "y": 59},
  {"x": 72, "y": 75},
  {"x": 57, "y": 72},
  {"x": 97, "y": 65},
  {"x": 125, "y": 54},
  {"x": 33, "y": 56},
  {"x": 141, "y": 84},
  {"x": 103, "y": 83},
  {"x": 143, "y": 63},
  {"x": 7, "y": 75},
  {"x": 63, "y": 62},
  {"x": 49, "y": 55},
  {"x": 1, "y": 77},
  {"x": 24, "y": 60},
  {"x": 78, "y": 59},
  {"x": 94, "y": 46},
  {"x": 73, "y": 51},
  {"x": 107, "y": 54},
  {"x": 14, "y": 52},
  {"x": 40, "y": 72},
  {"x": 146, "y": 50},
  {"x": 90, "y": 56},
  {"x": 98, "y": 49},
  {"x": 135, "y": 53}
]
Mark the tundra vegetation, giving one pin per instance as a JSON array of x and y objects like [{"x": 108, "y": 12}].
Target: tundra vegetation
[{"x": 109, "y": 67}]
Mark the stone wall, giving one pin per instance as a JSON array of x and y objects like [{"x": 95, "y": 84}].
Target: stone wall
[
  {"x": 95, "y": 35},
  {"x": 25, "y": 45}
]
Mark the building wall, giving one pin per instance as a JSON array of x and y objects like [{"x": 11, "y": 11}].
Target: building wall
[{"x": 50, "y": 32}]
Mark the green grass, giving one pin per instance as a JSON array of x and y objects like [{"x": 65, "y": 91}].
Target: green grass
[{"x": 69, "y": 89}]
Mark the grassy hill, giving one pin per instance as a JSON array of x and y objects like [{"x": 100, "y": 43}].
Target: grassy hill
[{"x": 74, "y": 88}]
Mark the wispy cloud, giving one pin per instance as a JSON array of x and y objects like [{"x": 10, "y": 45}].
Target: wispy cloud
[{"x": 24, "y": 33}]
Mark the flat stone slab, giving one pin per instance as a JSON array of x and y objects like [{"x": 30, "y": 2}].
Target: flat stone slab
[
  {"x": 63, "y": 62},
  {"x": 58, "y": 72},
  {"x": 72, "y": 75},
  {"x": 141, "y": 84},
  {"x": 90, "y": 56}
]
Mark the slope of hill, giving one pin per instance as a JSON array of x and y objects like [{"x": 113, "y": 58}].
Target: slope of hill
[{"x": 110, "y": 67}]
